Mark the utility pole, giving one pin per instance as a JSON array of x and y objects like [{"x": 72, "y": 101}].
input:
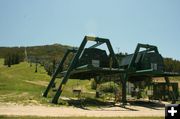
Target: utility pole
[
  {"x": 36, "y": 65},
  {"x": 25, "y": 55}
]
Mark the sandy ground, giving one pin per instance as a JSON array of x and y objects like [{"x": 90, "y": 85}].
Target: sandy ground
[{"x": 10, "y": 109}]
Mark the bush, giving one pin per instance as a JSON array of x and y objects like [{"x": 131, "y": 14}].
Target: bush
[
  {"x": 93, "y": 84},
  {"x": 109, "y": 87}
]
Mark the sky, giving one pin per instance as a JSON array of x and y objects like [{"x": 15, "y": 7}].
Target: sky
[{"x": 124, "y": 22}]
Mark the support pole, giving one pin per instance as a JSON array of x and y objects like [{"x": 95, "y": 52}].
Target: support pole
[
  {"x": 36, "y": 66},
  {"x": 124, "y": 78},
  {"x": 71, "y": 67},
  {"x": 171, "y": 93},
  {"x": 97, "y": 80},
  {"x": 59, "y": 69}
]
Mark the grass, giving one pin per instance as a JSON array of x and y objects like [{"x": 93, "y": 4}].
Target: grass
[
  {"x": 5, "y": 117},
  {"x": 20, "y": 84},
  {"x": 16, "y": 83}
]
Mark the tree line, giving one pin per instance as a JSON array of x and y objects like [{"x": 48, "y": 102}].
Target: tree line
[
  {"x": 12, "y": 58},
  {"x": 14, "y": 55},
  {"x": 172, "y": 65}
]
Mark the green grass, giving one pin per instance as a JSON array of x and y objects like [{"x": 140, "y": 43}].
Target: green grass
[
  {"x": 15, "y": 83},
  {"x": 20, "y": 84},
  {"x": 5, "y": 117}
]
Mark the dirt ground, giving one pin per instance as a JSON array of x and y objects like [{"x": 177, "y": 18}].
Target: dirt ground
[{"x": 10, "y": 109}]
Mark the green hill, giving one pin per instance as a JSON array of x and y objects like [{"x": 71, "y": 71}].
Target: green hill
[
  {"x": 20, "y": 84},
  {"x": 44, "y": 50},
  {"x": 56, "y": 52}
]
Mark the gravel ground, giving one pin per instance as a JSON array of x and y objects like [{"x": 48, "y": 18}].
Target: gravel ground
[{"x": 10, "y": 109}]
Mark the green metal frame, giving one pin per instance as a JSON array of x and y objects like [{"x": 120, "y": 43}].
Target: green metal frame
[
  {"x": 137, "y": 50},
  {"x": 171, "y": 93},
  {"x": 123, "y": 73},
  {"x": 73, "y": 64},
  {"x": 131, "y": 67},
  {"x": 151, "y": 73},
  {"x": 59, "y": 69}
]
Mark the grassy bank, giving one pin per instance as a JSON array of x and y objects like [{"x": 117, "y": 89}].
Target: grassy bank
[{"x": 20, "y": 84}]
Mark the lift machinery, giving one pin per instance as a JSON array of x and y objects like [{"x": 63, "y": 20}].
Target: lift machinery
[{"x": 93, "y": 62}]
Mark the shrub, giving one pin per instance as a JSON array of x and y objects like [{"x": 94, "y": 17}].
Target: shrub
[{"x": 109, "y": 87}]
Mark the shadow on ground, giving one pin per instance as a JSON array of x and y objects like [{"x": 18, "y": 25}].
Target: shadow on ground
[
  {"x": 96, "y": 103},
  {"x": 148, "y": 104},
  {"x": 89, "y": 102}
]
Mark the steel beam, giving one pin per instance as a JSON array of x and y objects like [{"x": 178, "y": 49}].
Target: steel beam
[
  {"x": 171, "y": 93},
  {"x": 75, "y": 61},
  {"x": 59, "y": 69},
  {"x": 124, "y": 78},
  {"x": 72, "y": 65},
  {"x": 96, "y": 45}
]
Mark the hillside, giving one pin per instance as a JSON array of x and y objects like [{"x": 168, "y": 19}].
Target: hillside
[
  {"x": 20, "y": 97},
  {"x": 56, "y": 52},
  {"x": 44, "y": 50},
  {"x": 20, "y": 84}
]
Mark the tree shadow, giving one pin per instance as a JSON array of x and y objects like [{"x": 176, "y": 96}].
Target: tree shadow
[
  {"x": 88, "y": 102},
  {"x": 147, "y": 104},
  {"x": 96, "y": 103}
]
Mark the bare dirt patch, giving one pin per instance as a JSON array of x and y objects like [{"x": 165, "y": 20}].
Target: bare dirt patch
[
  {"x": 40, "y": 83},
  {"x": 11, "y": 109}
]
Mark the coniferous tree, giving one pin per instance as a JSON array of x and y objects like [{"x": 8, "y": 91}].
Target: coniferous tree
[{"x": 11, "y": 59}]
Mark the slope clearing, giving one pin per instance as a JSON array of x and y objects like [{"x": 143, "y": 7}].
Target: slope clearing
[{"x": 20, "y": 84}]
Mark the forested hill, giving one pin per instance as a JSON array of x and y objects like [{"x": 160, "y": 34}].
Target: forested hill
[
  {"x": 172, "y": 65},
  {"x": 56, "y": 51}
]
